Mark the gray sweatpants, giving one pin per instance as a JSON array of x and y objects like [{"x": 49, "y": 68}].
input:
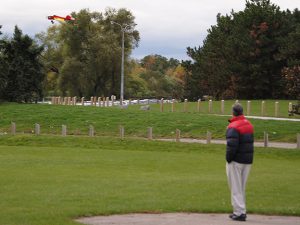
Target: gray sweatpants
[{"x": 237, "y": 175}]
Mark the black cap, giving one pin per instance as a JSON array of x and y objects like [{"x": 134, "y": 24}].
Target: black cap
[{"x": 237, "y": 109}]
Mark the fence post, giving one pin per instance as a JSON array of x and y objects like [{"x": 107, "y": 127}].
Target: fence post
[
  {"x": 173, "y": 105},
  {"x": 121, "y": 132},
  {"x": 298, "y": 141},
  {"x": 266, "y": 139},
  {"x": 248, "y": 108},
  {"x": 82, "y": 101},
  {"x": 208, "y": 137},
  {"x": 199, "y": 105},
  {"x": 276, "y": 108},
  {"x": 37, "y": 129},
  {"x": 150, "y": 136},
  {"x": 64, "y": 130},
  {"x": 290, "y": 107},
  {"x": 107, "y": 101},
  {"x": 263, "y": 108},
  {"x": 91, "y": 131},
  {"x": 177, "y": 135},
  {"x": 103, "y": 101},
  {"x": 75, "y": 100},
  {"x": 162, "y": 105},
  {"x": 210, "y": 106},
  {"x": 112, "y": 100},
  {"x": 185, "y": 105},
  {"x": 13, "y": 128},
  {"x": 222, "y": 106}
]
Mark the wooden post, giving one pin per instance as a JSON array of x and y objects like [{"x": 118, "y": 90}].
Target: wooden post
[
  {"x": 150, "y": 136},
  {"x": 177, "y": 135},
  {"x": 222, "y": 106},
  {"x": 263, "y": 108},
  {"x": 103, "y": 101},
  {"x": 248, "y": 108},
  {"x": 173, "y": 105},
  {"x": 138, "y": 101},
  {"x": 185, "y": 105},
  {"x": 92, "y": 100},
  {"x": 210, "y": 106},
  {"x": 199, "y": 105},
  {"x": 37, "y": 129},
  {"x": 107, "y": 101},
  {"x": 162, "y": 105},
  {"x": 298, "y": 141},
  {"x": 112, "y": 100},
  {"x": 266, "y": 139},
  {"x": 276, "y": 109},
  {"x": 148, "y": 102},
  {"x": 91, "y": 131},
  {"x": 64, "y": 130},
  {"x": 99, "y": 101},
  {"x": 290, "y": 107},
  {"x": 129, "y": 102},
  {"x": 121, "y": 132},
  {"x": 82, "y": 101},
  {"x": 65, "y": 100},
  {"x": 74, "y": 100},
  {"x": 208, "y": 137},
  {"x": 13, "y": 128}
]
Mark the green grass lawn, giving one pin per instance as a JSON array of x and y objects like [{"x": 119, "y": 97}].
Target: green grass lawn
[
  {"x": 107, "y": 120},
  {"x": 52, "y": 180}
]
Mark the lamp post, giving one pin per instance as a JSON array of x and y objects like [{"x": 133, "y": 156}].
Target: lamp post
[{"x": 124, "y": 28}]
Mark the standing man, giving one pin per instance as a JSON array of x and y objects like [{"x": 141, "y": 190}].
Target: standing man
[{"x": 239, "y": 157}]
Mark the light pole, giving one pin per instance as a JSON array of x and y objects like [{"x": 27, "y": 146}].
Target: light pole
[{"x": 124, "y": 28}]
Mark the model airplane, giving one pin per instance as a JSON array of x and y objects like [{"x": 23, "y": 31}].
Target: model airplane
[{"x": 60, "y": 18}]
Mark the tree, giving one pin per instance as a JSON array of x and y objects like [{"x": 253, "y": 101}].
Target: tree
[
  {"x": 90, "y": 51},
  {"x": 3, "y": 65},
  {"x": 156, "y": 76},
  {"x": 242, "y": 55},
  {"x": 24, "y": 71}
]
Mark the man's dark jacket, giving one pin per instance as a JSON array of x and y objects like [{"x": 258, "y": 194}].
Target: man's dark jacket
[{"x": 239, "y": 136}]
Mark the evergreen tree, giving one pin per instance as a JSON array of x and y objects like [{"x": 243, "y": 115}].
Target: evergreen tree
[
  {"x": 244, "y": 54},
  {"x": 24, "y": 71}
]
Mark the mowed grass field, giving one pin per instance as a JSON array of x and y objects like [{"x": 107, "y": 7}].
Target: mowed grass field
[
  {"x": 53, "y": 180},
  {"x": 106, "y": 121}
]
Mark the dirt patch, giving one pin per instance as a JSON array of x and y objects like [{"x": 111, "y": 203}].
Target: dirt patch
[{"x": 186, "y": 219}]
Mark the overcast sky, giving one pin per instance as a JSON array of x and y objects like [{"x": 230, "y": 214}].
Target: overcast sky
[{"x": 167, "y": 27}]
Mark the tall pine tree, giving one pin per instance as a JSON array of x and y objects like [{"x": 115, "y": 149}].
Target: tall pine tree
[{"x": 24, "y": 72}]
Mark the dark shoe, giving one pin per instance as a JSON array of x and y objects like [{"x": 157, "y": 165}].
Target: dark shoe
[{"x": 242, "y": 217}]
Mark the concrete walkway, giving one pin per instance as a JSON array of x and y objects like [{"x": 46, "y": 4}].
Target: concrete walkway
[
  {"x": 265, "y": 118},
  {"x": 223, "y": 142},
  {"x": 186, "y": 219}
]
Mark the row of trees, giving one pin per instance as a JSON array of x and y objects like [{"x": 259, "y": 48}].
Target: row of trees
[{"x": 251, "y": 54}]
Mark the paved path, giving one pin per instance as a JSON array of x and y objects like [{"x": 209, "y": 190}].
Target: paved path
[
  {"x": 186, "y": 219},
  {"x": 223, "y": 142},
  {"x": 265, "y": 118}
]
